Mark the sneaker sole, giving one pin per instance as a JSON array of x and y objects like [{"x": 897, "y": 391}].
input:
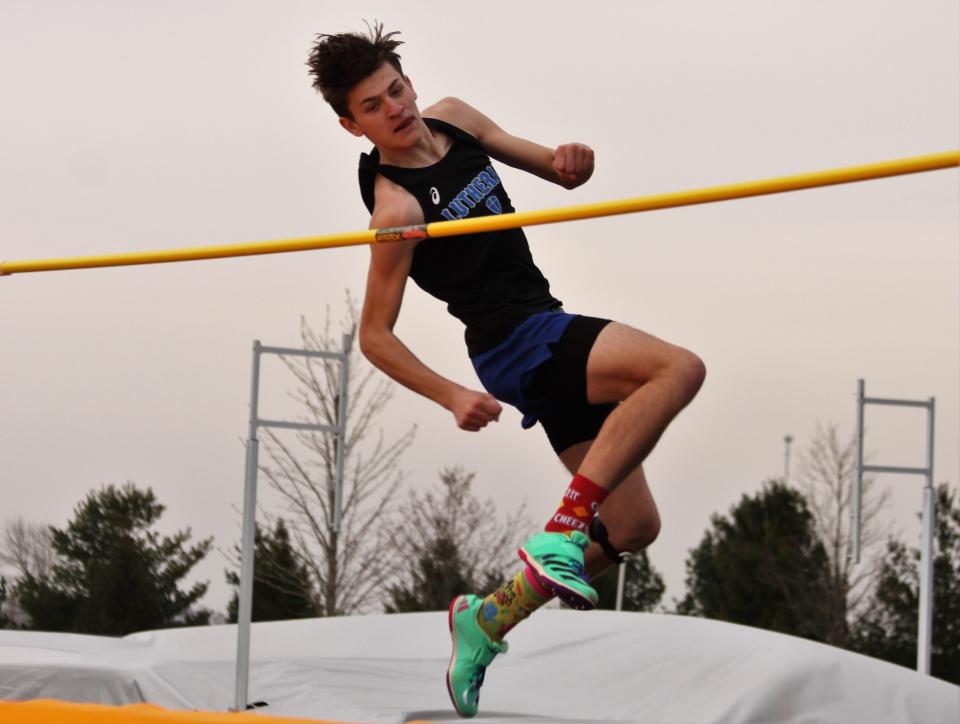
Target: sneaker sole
[
  {"x": 569, "y": 596},
  {"x": 453, "y": 657}
]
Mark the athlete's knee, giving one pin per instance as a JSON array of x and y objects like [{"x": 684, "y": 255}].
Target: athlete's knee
[
  {"x": 627, "y": 535},
  {"x": 689, "y": 371},
  {"x": 643, "y": 531}
]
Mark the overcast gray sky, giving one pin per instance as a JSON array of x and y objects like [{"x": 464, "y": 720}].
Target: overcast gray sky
[{"x": 139, "y": 125}]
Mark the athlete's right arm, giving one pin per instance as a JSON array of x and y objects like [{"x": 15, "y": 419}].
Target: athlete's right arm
[{"x": 386, "y": 280}]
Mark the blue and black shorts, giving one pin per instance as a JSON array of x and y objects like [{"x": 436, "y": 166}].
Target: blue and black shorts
[{"x": 541, "y": 369}]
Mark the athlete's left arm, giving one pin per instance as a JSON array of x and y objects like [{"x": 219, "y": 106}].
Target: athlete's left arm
[{"x": 569, "y": 165}]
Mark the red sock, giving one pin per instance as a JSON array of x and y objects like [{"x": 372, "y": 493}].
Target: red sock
[{"x": 579, "y": 505}]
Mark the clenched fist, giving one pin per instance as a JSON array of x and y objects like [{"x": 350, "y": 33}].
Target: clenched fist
[
  {"x": 474, "y": 410},
  {"x": 573, "y": 163}
]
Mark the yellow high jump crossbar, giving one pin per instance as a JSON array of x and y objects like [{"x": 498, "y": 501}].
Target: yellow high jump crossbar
[{"x": 849, "y": 174}]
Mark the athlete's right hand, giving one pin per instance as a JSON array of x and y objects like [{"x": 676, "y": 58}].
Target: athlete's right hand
[{"x": 474, "y": 410}]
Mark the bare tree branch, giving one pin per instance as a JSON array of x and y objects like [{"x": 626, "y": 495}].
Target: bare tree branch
[
  {"x": 349, "y": 568},
  {"x": 28, "y": 547},
  {"x": 825, "y": 476}
]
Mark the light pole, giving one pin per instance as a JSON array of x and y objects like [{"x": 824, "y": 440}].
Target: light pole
[{"x": 787, "y": 439}]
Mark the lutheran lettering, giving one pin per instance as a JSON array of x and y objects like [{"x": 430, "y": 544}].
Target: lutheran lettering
[{"x": 475, "y": 192}]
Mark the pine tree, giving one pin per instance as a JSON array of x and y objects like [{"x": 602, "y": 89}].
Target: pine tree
[
  {"x": 114, "y": 574},
  {"x": 436, "y": 577},
  {"x": 281, "y": 581},
  {"x": 763, "y": 566}
]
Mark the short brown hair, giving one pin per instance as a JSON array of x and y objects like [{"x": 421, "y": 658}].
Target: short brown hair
[{"x": 338, "y": 62}]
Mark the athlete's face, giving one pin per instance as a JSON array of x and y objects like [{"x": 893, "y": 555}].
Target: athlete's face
[{"x": 384, "y": 109}]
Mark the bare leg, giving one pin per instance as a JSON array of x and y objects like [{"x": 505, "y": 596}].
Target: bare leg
[
  {"x": 629, "y": 513},
  {"x": 653, "y": 380}
]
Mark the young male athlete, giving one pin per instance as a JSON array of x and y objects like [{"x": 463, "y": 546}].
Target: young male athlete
[{"x": 603, "y": 391}]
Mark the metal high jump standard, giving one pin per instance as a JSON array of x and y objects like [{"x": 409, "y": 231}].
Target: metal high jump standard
[
  {"x": 925, "y": 612},
  {"x": 245, "y": 609}
]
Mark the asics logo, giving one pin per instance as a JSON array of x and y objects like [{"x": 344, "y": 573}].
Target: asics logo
[{"x": 434, "y": 195}]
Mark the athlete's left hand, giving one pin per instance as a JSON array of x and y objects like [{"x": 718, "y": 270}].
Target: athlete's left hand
[{"x": 573, "y": 163}]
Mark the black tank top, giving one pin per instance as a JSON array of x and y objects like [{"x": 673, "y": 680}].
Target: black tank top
[{"x": 488, "y": 280}]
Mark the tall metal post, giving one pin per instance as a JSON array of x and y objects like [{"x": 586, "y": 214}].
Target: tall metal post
[
  {"x": 621, "y": 582},
  {"x": 925, "y": 612},
  {"x": 925, "y": 622},
  {"x": 342, "y": 433},
  {"x": 787, "y": 439},
  {"x": 858, "y": 480},
  {"x": 245, "y": 608}
]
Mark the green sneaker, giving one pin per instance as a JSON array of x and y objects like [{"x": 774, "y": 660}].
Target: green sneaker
[
  {"x": 473, "y": 651},
  {"x": 557, "y": 559}
]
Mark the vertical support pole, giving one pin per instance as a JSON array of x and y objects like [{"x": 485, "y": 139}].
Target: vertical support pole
[
  {"x": 857, "y": 480},
  {"x": 925, "y": 613},
  {"x": 621, "y": 582},
  {"x": 341, "y": 430},
  {"x": 787, "y": 439},
  {"x": 245, "y": 608}
]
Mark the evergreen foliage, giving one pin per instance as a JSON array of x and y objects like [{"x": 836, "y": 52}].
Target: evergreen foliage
[
  {"x": 762, "y": 566},
  {"x": 114, "y": 574},
  {"x": 643, "y": 586},
  {"x": 435, "y": 579},
  {"x": 281, "y": 581}
]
